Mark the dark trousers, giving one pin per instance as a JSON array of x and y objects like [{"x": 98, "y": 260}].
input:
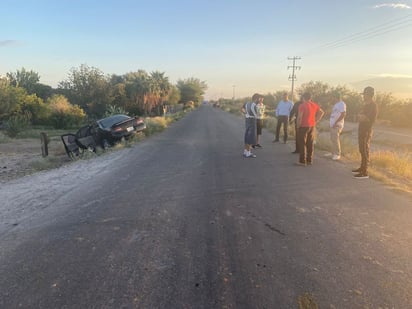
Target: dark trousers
[
  {"x": 306, "y": 137},
  {"x": 364, "y": 140},
  {"x": 296, "y": 138},
  {"x": 285, "y": 121}
]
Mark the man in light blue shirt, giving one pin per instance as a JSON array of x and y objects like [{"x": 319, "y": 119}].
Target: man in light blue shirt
[{"x": 282, "y": 113}]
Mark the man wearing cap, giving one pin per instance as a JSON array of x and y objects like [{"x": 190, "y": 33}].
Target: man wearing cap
[
  {"x": 249, "y": 109},
  {"x": 366, "y": 118}
]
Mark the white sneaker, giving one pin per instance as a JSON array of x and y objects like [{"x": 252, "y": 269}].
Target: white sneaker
[
  {"x": 328, "y": 154},
  {"x": 335, "y": 157}
]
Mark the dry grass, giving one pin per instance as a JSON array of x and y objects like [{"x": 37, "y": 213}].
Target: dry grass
[
  {"x": 270, "y": 124},
  {"x": 397, "y": 163},
  {"x": 392, "y": 167},
  {"x": 307, "y": 301}
]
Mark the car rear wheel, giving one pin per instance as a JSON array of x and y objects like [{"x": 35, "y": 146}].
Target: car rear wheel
[{"x": 76, "y": 154}]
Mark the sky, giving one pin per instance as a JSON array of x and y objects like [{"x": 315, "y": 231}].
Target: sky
[{"x": 237, "y": 47}]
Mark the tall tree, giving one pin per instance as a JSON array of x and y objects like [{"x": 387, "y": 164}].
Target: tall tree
[
  {"x": 10, "y": 98},
  {"x": 173, "y": 97},
  {"x": 191, "y": 89},
  {"x": 29, "y": 80},
  {"x": 319, "y": 91},
  {"x": 24, "y": 79},
  {"x": 277, "y": 96},
  {"x": 43, "y": 91},
  {"x": 89, "y": 88},
  {"x": 159, "y": 88},
  {"x": 137, "y": 88}
]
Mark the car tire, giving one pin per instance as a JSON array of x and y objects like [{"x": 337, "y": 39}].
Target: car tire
[
  {"x": 105, "y": 144},
  {"x": 76, "y": 154},
  {"x": 91, "y": 148}
]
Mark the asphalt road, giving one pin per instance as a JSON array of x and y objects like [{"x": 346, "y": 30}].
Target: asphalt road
[{"x": 182, "y": 220}]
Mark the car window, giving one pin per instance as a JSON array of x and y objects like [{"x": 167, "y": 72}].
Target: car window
[{"x": 108, "y": 122}]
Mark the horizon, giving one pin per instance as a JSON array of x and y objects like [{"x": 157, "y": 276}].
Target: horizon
[{"x": 354, "y": 43}]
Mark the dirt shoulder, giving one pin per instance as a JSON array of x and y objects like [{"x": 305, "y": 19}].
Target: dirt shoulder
[{"x": 21, "y": 157}]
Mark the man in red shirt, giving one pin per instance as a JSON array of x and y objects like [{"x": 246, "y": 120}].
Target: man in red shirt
[{"x": 309, "y": 115}]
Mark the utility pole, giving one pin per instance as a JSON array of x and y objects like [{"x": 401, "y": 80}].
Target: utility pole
[
  {"x": 233, "y": 98},
  {"x": 294, "y": 68}
]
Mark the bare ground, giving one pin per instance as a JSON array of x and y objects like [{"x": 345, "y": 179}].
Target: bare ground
[{"x": 21, "y": 157}]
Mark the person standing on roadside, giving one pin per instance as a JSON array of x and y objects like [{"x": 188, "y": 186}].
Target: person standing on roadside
[
  {"x": 366, "y": 119},
  {"x": 293, "y": 117},
  {"x": 309, "y": 115},
  {"x": 282, "y": 113},
  {"x": 336, "y": 122},
  {"x": 249, "y": 109},
  {"x": 260, "y": 107}
]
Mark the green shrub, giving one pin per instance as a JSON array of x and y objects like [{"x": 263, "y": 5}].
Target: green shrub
[
  {"x": 113, "y": 110},
  {"x": 36, "y": 107},
  {"x": 158, "y": 124},
  {"x": 17, "y": 123},
  {"x": 63, "y": 114},
  {"x": 155, "y": 124},
  {"x": 74, "y": 117}
]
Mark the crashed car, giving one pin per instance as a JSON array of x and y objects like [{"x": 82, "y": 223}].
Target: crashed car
[
  {"x": 113, "y": 129},
  {"x": 104, "y": 133}
]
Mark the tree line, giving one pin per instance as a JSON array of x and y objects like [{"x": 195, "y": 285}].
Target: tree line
[
  {"x": 393, "y": 111},
  {"x": 88, "y": 93}
]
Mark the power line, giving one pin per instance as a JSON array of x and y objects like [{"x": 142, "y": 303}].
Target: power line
[
  {"x": 371, "y": 34},
  {"x": 381, "y": 29},
  {"x": 389, "y": 26}
]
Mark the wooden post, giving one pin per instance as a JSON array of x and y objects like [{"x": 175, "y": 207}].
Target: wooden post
[{"x": 44, "y": 144}]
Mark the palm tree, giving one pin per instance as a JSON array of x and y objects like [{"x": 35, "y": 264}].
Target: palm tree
[
  {"x": 160, "y": 88},
  {"x": 137, "y": 88}
]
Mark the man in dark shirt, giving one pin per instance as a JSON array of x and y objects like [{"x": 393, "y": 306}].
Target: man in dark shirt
[
  {"x": 293, "y": 118},
  {"x": 366, "y": 118}
]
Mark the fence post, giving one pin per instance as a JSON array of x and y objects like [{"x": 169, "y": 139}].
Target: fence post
[{"x": 44, "y": 144}]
